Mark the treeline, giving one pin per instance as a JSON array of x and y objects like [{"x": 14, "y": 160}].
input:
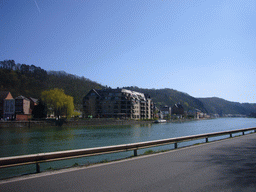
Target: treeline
[
  {"x": 31, "y": 81},
  {"x": 22, "y": 79}
]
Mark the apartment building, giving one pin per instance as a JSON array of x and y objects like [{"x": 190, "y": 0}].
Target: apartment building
[{"x": 117, "y": 103}]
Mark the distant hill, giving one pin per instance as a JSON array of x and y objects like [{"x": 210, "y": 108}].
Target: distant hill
[
  {"x": 30, "y": 81},
  {"x": 221, "y": 106}
]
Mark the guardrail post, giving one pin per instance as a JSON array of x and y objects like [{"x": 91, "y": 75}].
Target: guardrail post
[
  {"x": 230, "y": 134},
  {"x": 37, "y": 168},
  {"x": 206, "y": 140},
  {"x": 243, "y": 132},
  {"x": 175, "y": 145},
  {"x": 135, "y": 152}
]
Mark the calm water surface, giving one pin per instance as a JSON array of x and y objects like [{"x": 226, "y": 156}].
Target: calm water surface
[{"x": 21, "y": 141}]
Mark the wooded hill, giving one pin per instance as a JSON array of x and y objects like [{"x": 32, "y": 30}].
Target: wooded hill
[
  {"x": 221, "y": 106},
  {"x": 30, "y": 81}
]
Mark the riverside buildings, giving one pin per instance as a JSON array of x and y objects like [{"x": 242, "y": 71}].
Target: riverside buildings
[
  {"x": 19, "y": 108},
  {"x": 117, "y": 103}
]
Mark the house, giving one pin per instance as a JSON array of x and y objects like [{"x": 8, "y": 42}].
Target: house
[
  {"x": 22, "y": 108},
  {"x": 157, "y": 112},
  {"x": 33, "y": 103},
  {"x": 7, "y": 105},
  {"x": 193, "y": 113},
  {"x": 178, "y": 109},
  {"x": 117, "y": 103},
  {"x": 166, "y": 111}
]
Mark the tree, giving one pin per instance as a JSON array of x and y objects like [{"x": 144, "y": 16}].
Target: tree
[{"x": 58, "y": 102}]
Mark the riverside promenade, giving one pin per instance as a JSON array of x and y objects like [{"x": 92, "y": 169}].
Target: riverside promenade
[{"x": 225, "y": 165}]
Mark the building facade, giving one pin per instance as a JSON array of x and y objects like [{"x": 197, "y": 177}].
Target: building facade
[
  {"x": 22, "y": 105},
  {"x": 166, "y": 111},
  {"x": 117, "y": 103},
  {"x": 33, "y": 103},
  {"x": 178, "y": 110},
  {"x": 7, "y": 105}
]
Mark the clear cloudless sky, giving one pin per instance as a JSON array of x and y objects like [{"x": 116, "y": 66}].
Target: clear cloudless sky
[{"x": 206, "y": 48}]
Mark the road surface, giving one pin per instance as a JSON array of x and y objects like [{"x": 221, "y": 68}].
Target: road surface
[{"x": 226, "y": 165}]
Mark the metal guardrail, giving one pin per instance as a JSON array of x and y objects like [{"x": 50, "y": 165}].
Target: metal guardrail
[{"x": 62, "y": 155}]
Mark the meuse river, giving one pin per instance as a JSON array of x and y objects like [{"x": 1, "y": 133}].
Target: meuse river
[{"x": 21, "y": 141}]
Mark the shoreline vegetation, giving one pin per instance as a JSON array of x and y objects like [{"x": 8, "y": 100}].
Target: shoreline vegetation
[{"x": 82, "y": 122}]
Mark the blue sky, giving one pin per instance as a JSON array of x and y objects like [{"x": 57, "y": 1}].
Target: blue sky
[{"x": 201, "y": 47}]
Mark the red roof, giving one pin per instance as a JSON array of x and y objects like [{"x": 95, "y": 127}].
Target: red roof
[{"x": 5, "y": 94}]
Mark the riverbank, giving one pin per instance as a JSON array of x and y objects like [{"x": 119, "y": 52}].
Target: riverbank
[
  {"x": 6, "y": 124},
  {"x": 107, "y": 121},
  {"x": 83, "y": 122},
  {"x": 71, "y": 123}
]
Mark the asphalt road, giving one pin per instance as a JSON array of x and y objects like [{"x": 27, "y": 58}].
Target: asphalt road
[{"x": 227, "y": 165}]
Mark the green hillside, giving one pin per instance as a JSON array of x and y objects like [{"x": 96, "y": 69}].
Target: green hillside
[
  {"x": 30, "y": 81},
  {"x": 221, "y": 106},
  {"x": 73, "y": 85}
]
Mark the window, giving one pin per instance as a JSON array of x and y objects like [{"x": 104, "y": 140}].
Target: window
[
  {"x": 6, "y": 106},
  {"x": 11, "y": 108}
]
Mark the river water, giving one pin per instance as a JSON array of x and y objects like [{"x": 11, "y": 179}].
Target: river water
[{"x": 22, "y": 141}]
